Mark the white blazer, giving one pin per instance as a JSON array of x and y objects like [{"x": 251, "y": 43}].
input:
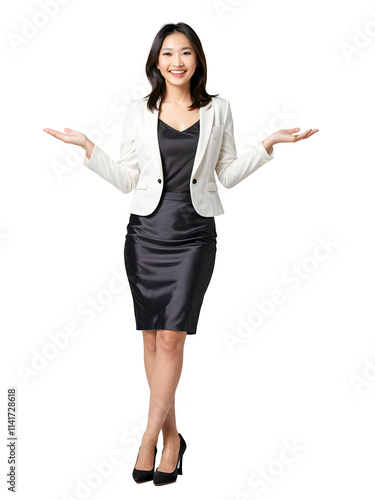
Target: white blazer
[{"x": 140, "y": 166}]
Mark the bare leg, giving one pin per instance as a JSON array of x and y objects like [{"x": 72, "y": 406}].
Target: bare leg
[
  {"x": 169, "y": 428},
  {"x": 163, "y": 355}
]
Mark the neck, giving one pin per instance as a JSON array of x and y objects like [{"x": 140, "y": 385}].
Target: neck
[{"x": 178, "y": 95}]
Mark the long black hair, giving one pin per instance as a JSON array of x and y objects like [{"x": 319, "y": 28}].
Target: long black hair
[{"x": 198, "y": 81}]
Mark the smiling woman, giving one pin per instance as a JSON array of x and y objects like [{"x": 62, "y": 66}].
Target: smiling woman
[
  {"x": 173, "y": 142},
  {"x": 170, "y": 253}
]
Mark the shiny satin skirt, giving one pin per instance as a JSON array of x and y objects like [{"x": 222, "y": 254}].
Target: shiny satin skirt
[{"x": 169, "y": 260}]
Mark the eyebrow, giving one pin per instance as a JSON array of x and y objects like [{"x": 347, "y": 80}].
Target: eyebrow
[{"x": 183, "y": 48}]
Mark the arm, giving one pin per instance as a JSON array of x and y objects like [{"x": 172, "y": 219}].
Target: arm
[
  {"x": 124, "y": 173},
  {"x": 231, "y": 169}
]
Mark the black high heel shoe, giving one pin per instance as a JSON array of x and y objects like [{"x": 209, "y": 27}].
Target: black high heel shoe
[
  {"x": 141, "y": 476},
  {"x": 170, "y": 477}
]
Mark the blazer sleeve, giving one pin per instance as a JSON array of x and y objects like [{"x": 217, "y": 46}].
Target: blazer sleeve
[
  {"x": 231, "y": 169},
  {"x": 124, "y": 173}
]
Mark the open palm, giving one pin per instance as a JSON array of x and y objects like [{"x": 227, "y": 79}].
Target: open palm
[
  {"x": 71, "y": 136},
  {"x": 286, "y": 135}
]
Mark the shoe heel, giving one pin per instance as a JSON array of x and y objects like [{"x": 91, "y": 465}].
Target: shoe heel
[{"x": 179, "y": 470}]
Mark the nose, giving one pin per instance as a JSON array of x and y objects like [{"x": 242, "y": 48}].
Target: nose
[{"x": 177, "y": 60}]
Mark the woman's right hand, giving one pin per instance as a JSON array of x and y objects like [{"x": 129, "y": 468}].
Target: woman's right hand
[{"x": 73, "y": 137}]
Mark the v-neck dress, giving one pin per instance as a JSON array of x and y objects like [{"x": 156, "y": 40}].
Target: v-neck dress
[{"x": 170, "y": 254}]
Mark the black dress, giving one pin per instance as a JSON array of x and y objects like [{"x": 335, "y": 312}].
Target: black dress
[{"x": 170, "y": 254}]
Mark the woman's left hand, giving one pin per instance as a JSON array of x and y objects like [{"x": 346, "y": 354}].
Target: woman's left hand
[{"x": 286, "y": 135}]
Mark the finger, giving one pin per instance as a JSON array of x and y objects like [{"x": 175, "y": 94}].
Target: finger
[
  {"x": 302, "y": 136},
  {"x": 312, "y": 132},
  {"x": 50, "y": 131},
  {"x": 56, "y": 133}
]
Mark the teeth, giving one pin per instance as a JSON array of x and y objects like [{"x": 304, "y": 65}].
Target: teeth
[{"x": 177, "y": 72}]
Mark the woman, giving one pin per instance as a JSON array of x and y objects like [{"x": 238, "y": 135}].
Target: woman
[{"x": 170, "y": 244}]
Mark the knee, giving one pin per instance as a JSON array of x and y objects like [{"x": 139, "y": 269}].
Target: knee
[
  {"x": 149, "y": 337},
  {"x": 170, "y": 342}
]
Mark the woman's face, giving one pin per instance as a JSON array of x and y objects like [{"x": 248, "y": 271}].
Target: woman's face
[{"x": 177, "y": 54}]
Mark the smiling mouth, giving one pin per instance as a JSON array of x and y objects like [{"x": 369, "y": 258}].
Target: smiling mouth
[{"x": 177, "y": 72}]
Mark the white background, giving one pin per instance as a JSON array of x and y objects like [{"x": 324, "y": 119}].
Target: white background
[{"x": 306, "y": 373}]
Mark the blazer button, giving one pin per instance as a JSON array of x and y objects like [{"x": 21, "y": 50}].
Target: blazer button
[
  {"x": 194, "y": 181},
  {"x": 159, "y": 181}
]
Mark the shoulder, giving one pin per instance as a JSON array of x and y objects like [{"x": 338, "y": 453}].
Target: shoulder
[
  {"x": 219, "y": 99},
  {"x": 220, "y": 103}
]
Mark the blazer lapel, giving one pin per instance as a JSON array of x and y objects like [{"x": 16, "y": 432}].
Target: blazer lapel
[{"x": 206, "y": 116}]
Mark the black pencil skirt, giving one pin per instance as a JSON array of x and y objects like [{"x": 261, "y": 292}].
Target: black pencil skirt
[{"x": 169, "y": 260}]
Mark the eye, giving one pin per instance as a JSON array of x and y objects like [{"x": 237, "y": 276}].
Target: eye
[{"x": 165, "y": 53}]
